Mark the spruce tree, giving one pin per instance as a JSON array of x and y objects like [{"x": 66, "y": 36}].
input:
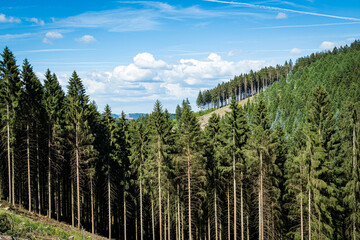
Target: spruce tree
[
  {"x": 10, "y": 90},
  {"x": 237, "y": 133},
  {"x": 80, "y": 137}
]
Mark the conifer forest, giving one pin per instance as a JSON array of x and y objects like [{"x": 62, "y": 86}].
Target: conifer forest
[{"x": 285, "y": 165}]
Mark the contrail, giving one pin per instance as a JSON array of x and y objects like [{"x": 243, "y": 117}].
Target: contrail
[{"x": 283, "y": 9}]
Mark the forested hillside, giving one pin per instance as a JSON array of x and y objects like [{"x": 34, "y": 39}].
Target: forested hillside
[{"x": 284, "y": 166}]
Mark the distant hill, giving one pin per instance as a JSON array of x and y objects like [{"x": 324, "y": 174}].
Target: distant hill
[{"x": 135, "y": 116}]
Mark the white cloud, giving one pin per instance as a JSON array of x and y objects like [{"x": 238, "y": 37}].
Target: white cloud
[
  {"x": 36, "y": 20},
  {"x": 149, "y": 78},
  {"x": 54, "y": 35},
  {"x": 231, "y": 53},
  {"x": 47, "y": 41},
  {"x": 147, "y": 60},
  {"x": 5, "y": 19},
  {"x": 327, "y": 45},
  {"x": 86, "y": 39},
  {"x": 281, "y": 15},
  {"x": 295, "y": 51}
]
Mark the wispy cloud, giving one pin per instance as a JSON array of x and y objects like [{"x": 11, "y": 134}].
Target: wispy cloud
[
  {"x": 308, "y": 25},
  {"x": 283, "y": 9},
  {"x": 54, "y": 50},
  {"x": 86, "y": 39},
  {"x": 5, "y": 19},
  {"x": 15, "y": 36},
  {"x": 149, "y": 17},
  {"x": 36, "y": 21}
]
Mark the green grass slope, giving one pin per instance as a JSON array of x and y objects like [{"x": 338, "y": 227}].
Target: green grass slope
[{"x": 18, "y": 223}]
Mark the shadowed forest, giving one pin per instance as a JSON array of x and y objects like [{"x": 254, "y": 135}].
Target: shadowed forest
[{"x": 284, "y": 166}]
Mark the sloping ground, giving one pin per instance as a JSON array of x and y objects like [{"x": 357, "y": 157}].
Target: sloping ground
[
  {"x": 221, "y": 112},
  {"x": 17, "y": 223}
]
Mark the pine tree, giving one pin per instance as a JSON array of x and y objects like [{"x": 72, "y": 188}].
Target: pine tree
[
  {"x": 190, "y": 140},
  {"x": 237, "y": 132},
  {"x": 31, "y": 104},
  {"x": 80, "y": 137},
  {"x": 161, "y": 130},
  {"x": 350, "y": 129},
  {"x": 10, "y": 89},
  {"x": 321, "y": 190},
  {"x": 200, "y": 100},
  {"x": 54, "y": 99}
]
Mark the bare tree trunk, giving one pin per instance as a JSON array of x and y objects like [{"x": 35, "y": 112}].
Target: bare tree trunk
[
  {"x": 261, "y": 217},
  {"x": 179, "y": 217},
  {"x": 92, "y": 206},
  {"x": 309, "y": 215},
  {"x": 234, "y": 179},
  {"x": 228, "y": 205},
  {"x": 125, "y": 211},
  {"x": 216, "y": 218},
  {"x": 72, "y": 204},
  {"x": 13, "y": 175},
  {"x": 8, "y": 151},
  {"x": 182, "y": 224},
  {"x": 241, "y": 206},
  {"x": 159, "y": 183},
  {"x": 245, "y": 87},
  {"x": 28, "y": 163},
  {"x": 247, "y": 228},
  {"x": 141, "y": 210},
  {"x": 109, "y": 204},
  {"x": 252, "y": 86},
  {"x": 57, "y": 197},
  {"x": 136, "y": 224},
  {"x": 189, "y": 192},
  {"x": 152, "y": 219},
  {"x": 77, "y": 178},
  {"x": 168, "y": 208},
  {"x": 208, "y": 228},
  {"x": 355, "y": 168},
  {"x": 301, "y": 218},
  {"x": 49, "y": 170},
  {"x": 38, "y": 172}
]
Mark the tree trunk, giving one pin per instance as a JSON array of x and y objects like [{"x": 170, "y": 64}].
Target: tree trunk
[
  {"x": 189, "y": 192},
  {"x": 152, "y": 219},
  {"x": 92, "y": 206},
  {"x": 247, "y": 228},
  {"x": 49, "y": 170},
  {"x": 261, "y": 211},
  {"x": 38, "y": 172},
  {"x": 77, "y": 178},
  {"x": 28, "y": 163},
  {"x": 309, "y": 215},
  {"x": 8, "y": 151},
  {"x": 159, "y": 183},
  {"x": 141, "y": 210},
  {"x": 245, "y": 88},
  {"x": 125, "y": 211},
  {"x": 241, "y": 206},
  {"x": 216, "y": 218},
  {"x": 72, "y": 204},
  {"x": 179, "y": 217},
  {"x": 13, "y": 176},
  {"x": 234, "y": 179},
  {"x": 109, "y": 204},
  {"x": 252, "y": 86},
  {"x": 168, "y": 208},
  {"x": 355, "y": 168},
  {"x": 301, "y": 217},
  {"x": 228, "y": 205}
]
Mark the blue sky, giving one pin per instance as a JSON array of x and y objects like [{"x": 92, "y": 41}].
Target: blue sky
[{"x": 130, "y": 53}]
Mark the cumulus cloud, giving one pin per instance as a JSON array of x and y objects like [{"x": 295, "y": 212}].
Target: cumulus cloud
[
  {"x": 147, "y": 60},
  {"x": 327, "y": 45},
  {"x": 148, "y": 78},
  {"x": 281, "y": 15},
  {"x": 5, "y": 19},
  {"x": 54, "y": 35},
  {"x": 295, "y": 51},
  {"x": 86, "y": 39}
]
